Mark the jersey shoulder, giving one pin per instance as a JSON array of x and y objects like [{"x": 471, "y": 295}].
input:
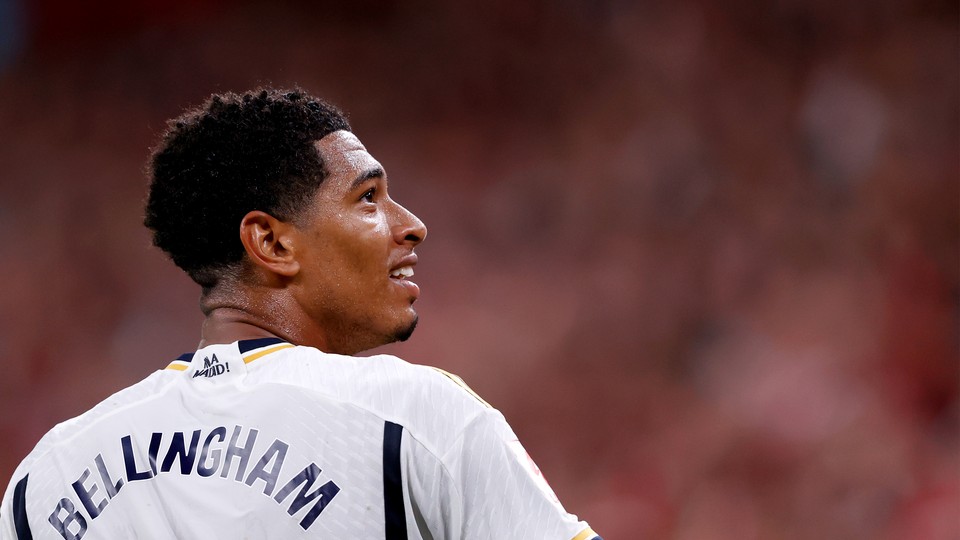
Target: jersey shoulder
[
  {"x": 433, "y": 405},
  {"x": 62, "y": 433}
]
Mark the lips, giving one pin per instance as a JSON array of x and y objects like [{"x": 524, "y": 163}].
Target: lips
[{"x": 402, "y": 271}]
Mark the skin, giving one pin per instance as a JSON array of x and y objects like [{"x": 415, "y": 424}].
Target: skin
[{"x": 323, "y": 279}]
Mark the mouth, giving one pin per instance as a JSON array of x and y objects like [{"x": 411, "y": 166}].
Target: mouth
[
  {"x": 404, "y": 272},
  {"x": 401, "y": 274}
]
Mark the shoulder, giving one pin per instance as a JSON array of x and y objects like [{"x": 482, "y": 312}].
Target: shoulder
[
  {"x": 423, "y": 382},
  {"x": 431, "y": 404},
  {"x": 380, "y": 380},
  {"x": 62, "y": 434},
  {"x": 412, "y": 387}
]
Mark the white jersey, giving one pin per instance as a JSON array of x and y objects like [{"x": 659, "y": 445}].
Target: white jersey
[{"x": 264, "y": 439}]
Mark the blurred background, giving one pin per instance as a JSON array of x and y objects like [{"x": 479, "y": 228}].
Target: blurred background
[{"x": 703, "y": 255}]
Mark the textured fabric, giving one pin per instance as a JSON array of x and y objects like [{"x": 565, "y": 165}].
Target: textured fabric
[{"x": 267, "y": 440}]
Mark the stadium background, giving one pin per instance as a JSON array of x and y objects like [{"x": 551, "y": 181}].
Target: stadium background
[{"x": 703, "y": 255}]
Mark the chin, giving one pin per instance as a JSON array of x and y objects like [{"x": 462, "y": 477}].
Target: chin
[{"x": 404, "y": 333}]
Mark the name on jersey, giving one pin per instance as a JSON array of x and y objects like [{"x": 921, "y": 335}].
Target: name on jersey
[{"x": 205, "y": 454}]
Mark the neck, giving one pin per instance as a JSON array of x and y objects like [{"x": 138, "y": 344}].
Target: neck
[
  {"x": 238, "y": 313},
  {"x": 226, "y": 325}
]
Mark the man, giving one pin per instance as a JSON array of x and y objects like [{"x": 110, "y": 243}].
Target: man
[{"x": 271, "y": 429}]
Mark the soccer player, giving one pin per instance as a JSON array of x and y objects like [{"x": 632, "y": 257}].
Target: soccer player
[{"x": 271, "y": 429}]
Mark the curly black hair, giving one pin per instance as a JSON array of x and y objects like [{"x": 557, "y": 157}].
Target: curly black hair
[{"x": 234, "y": 154}]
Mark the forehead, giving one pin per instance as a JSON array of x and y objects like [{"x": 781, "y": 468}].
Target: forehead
[{"x": 344, "y": 155}]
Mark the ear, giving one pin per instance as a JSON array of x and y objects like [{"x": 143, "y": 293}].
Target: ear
[{"x": 269, "y": 242}]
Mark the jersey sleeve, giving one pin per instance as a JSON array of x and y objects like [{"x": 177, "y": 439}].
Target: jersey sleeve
[
  {"x": 501, "y": 492},
  {"x": 13, "y": 510},
  {"x": 7, "y": 529}
]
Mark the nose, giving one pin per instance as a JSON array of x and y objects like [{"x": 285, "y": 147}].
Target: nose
[{"x": 408, "y": 228}]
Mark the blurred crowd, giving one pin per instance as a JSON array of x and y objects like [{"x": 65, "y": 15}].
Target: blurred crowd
[{"x": 702, "y": 255}]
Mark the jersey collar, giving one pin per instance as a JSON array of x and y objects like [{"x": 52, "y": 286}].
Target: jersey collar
[{"x": 250, "y": 350}]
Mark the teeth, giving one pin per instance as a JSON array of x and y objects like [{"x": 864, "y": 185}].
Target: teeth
[{"x": 402, "y": 272}]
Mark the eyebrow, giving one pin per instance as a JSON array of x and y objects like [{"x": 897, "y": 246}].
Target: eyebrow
[{"x": 376, "y": 172}]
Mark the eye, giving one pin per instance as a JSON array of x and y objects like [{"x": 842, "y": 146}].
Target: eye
[{"x": 368, "y": 195}]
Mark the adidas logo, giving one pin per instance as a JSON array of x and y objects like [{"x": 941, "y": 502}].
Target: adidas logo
[{"x": 212, "y": 367}]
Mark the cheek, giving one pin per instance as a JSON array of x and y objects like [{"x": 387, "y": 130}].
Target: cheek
[
  {"x": 368, "y": 243},
  {"x": 350, "y": 247},
  {"x": 357, "y": 255}
]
